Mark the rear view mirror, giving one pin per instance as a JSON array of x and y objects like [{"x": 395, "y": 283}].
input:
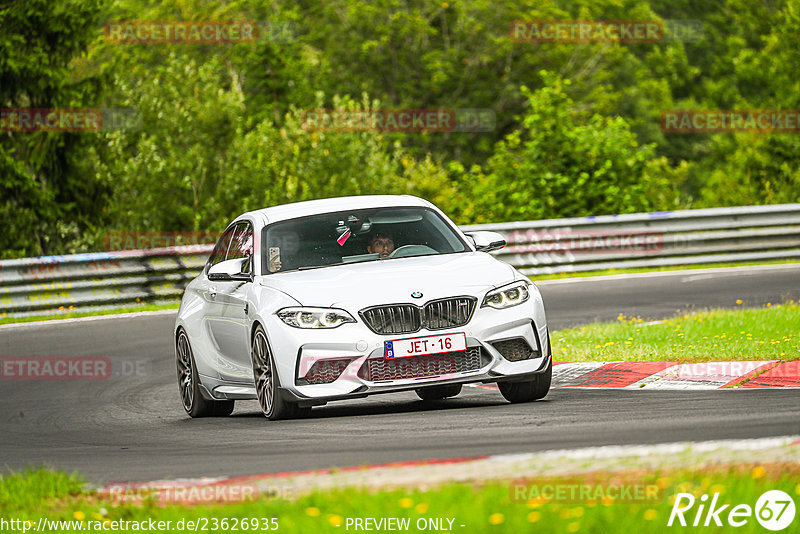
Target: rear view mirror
[{"x": 487, "y": 241}]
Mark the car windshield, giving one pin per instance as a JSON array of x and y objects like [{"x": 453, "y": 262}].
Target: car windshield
[{"x": 357, "y": 236}]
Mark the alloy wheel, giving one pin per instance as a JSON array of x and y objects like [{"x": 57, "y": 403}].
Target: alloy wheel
[
  {"x": 262, "y": 368},
  {"x": 185, "y": 371}
]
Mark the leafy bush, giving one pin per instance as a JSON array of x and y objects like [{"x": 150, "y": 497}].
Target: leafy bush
[{"x": 567, "y": 162}]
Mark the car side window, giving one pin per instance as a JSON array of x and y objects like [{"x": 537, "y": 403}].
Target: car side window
[
  {"x": 221, "y": 249},
  {"x": 242, "y": 245}
]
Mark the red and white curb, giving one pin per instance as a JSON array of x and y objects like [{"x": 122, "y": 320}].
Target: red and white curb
[
  {"x": 498, "y": 468},
  {"x": 673, "y": 375}
]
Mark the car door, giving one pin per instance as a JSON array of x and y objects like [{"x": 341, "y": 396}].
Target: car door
[
  {"x": 231, "y": 327},
  {"x": 207, "y": 290}
]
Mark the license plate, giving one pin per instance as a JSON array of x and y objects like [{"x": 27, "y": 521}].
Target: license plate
[{"x": 421, "y": 346}]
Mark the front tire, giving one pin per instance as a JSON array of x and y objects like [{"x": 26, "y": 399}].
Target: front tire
[
  {"x": 267, "y": 382},
  {"x": 193, "y": 401},
  {"x": 432, "y": 393},
  {"x": 529, "y": 390}
]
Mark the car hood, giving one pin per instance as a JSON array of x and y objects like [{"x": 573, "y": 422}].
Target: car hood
[{"x": 358, "y": 285}]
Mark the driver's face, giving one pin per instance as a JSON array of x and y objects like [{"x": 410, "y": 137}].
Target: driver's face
[{"x": 382, "y": 245}]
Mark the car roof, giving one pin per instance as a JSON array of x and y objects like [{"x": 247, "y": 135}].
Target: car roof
[{"x": 327, "y": 205}]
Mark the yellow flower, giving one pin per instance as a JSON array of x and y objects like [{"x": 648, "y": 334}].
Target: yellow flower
[
  {"x": 405, "y": 502},
  {"x": 573, "y": 527},
  {"x": 650, "y": 514},
  {"x": 80, "y": 516},
  {"x": 533, "y": 517},
  {"x": 758, "y": 472},
  {"x": 717, "y": 488},
  {"x": 738, "y": 301},
  {"x": 496, "y": 519},
  {"x": 335, "y": 520},
  {"x": 313, "y": 512},
  {"x": 421, "y": 508},
  {"x": 536, "y": 502},
  {"x": 577, "y": 512},
  {"x": 608, "y": 500},
  {"x": 797, "y": 489}
]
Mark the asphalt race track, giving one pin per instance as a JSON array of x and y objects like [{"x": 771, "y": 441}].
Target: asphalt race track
[{"x": 132, "y": 427}]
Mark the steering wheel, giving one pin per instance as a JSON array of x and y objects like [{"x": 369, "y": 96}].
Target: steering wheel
[{"x": 411, "y": 250}]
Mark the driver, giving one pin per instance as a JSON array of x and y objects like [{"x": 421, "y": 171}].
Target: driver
[{"x": 381, "y": 244}]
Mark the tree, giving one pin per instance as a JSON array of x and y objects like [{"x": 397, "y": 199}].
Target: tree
[
  {"x": 48, "y": 199},
  {"x": 565, "y": 162}
]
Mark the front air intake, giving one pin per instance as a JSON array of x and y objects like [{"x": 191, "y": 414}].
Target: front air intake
[{"x": 515, "y": 349}]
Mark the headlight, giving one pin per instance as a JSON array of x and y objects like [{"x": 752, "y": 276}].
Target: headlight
[
  {"x": 314, "y": 317},
  {"x": 507, "y": 296}
]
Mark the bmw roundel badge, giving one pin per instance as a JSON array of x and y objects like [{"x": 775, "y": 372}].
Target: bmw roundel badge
[{"x": 416, "y": 294}]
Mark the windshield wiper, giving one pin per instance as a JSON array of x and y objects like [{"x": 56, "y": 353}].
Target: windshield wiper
[{"x": 309, "y": 267}]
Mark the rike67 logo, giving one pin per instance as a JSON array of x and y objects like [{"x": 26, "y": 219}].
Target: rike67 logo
[{"x": 774, "y": 510}]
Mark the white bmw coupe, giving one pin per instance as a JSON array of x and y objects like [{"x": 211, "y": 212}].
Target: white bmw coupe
[{"x": 340, "y": 298}]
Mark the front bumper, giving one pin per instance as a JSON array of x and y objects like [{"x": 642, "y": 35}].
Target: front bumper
[
  {"x": 364, "y": 391},
  {"x": 360, "y": 345},
  {"x": 296, "y": 350}
]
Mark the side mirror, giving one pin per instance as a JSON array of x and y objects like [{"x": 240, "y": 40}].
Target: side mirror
[
  {"x": 487, "y": 241},
  {"x": 230, "y": 270}
]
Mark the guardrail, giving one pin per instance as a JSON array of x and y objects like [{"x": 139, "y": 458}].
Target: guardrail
[
  {"x": 103, "y": 279},
  {"x": 31, "y": 286},
  {"x": 714, "y": 235}
]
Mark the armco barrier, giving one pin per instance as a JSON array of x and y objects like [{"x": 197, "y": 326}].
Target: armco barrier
[
  {"x": 751, "y": 233},
  {"x": 126, "y": 277},
  {"x": 714, "y": 235}
]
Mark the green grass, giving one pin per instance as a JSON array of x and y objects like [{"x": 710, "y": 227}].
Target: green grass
[
  {"x": 556, "y": 276},
  {"x": 73, "y": 314},
  {"x": 768, "y": 333},
  {"x": 495, "y": 507}
]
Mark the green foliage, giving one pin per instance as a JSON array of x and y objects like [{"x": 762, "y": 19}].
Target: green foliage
[
  {"x": 222, "y": 123},
  {"x": 48, "y": 198},
  {"x": 566, "y": 162},
  {"x": 167, "y": 173},
  {"x": 274, "y": 164}
]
